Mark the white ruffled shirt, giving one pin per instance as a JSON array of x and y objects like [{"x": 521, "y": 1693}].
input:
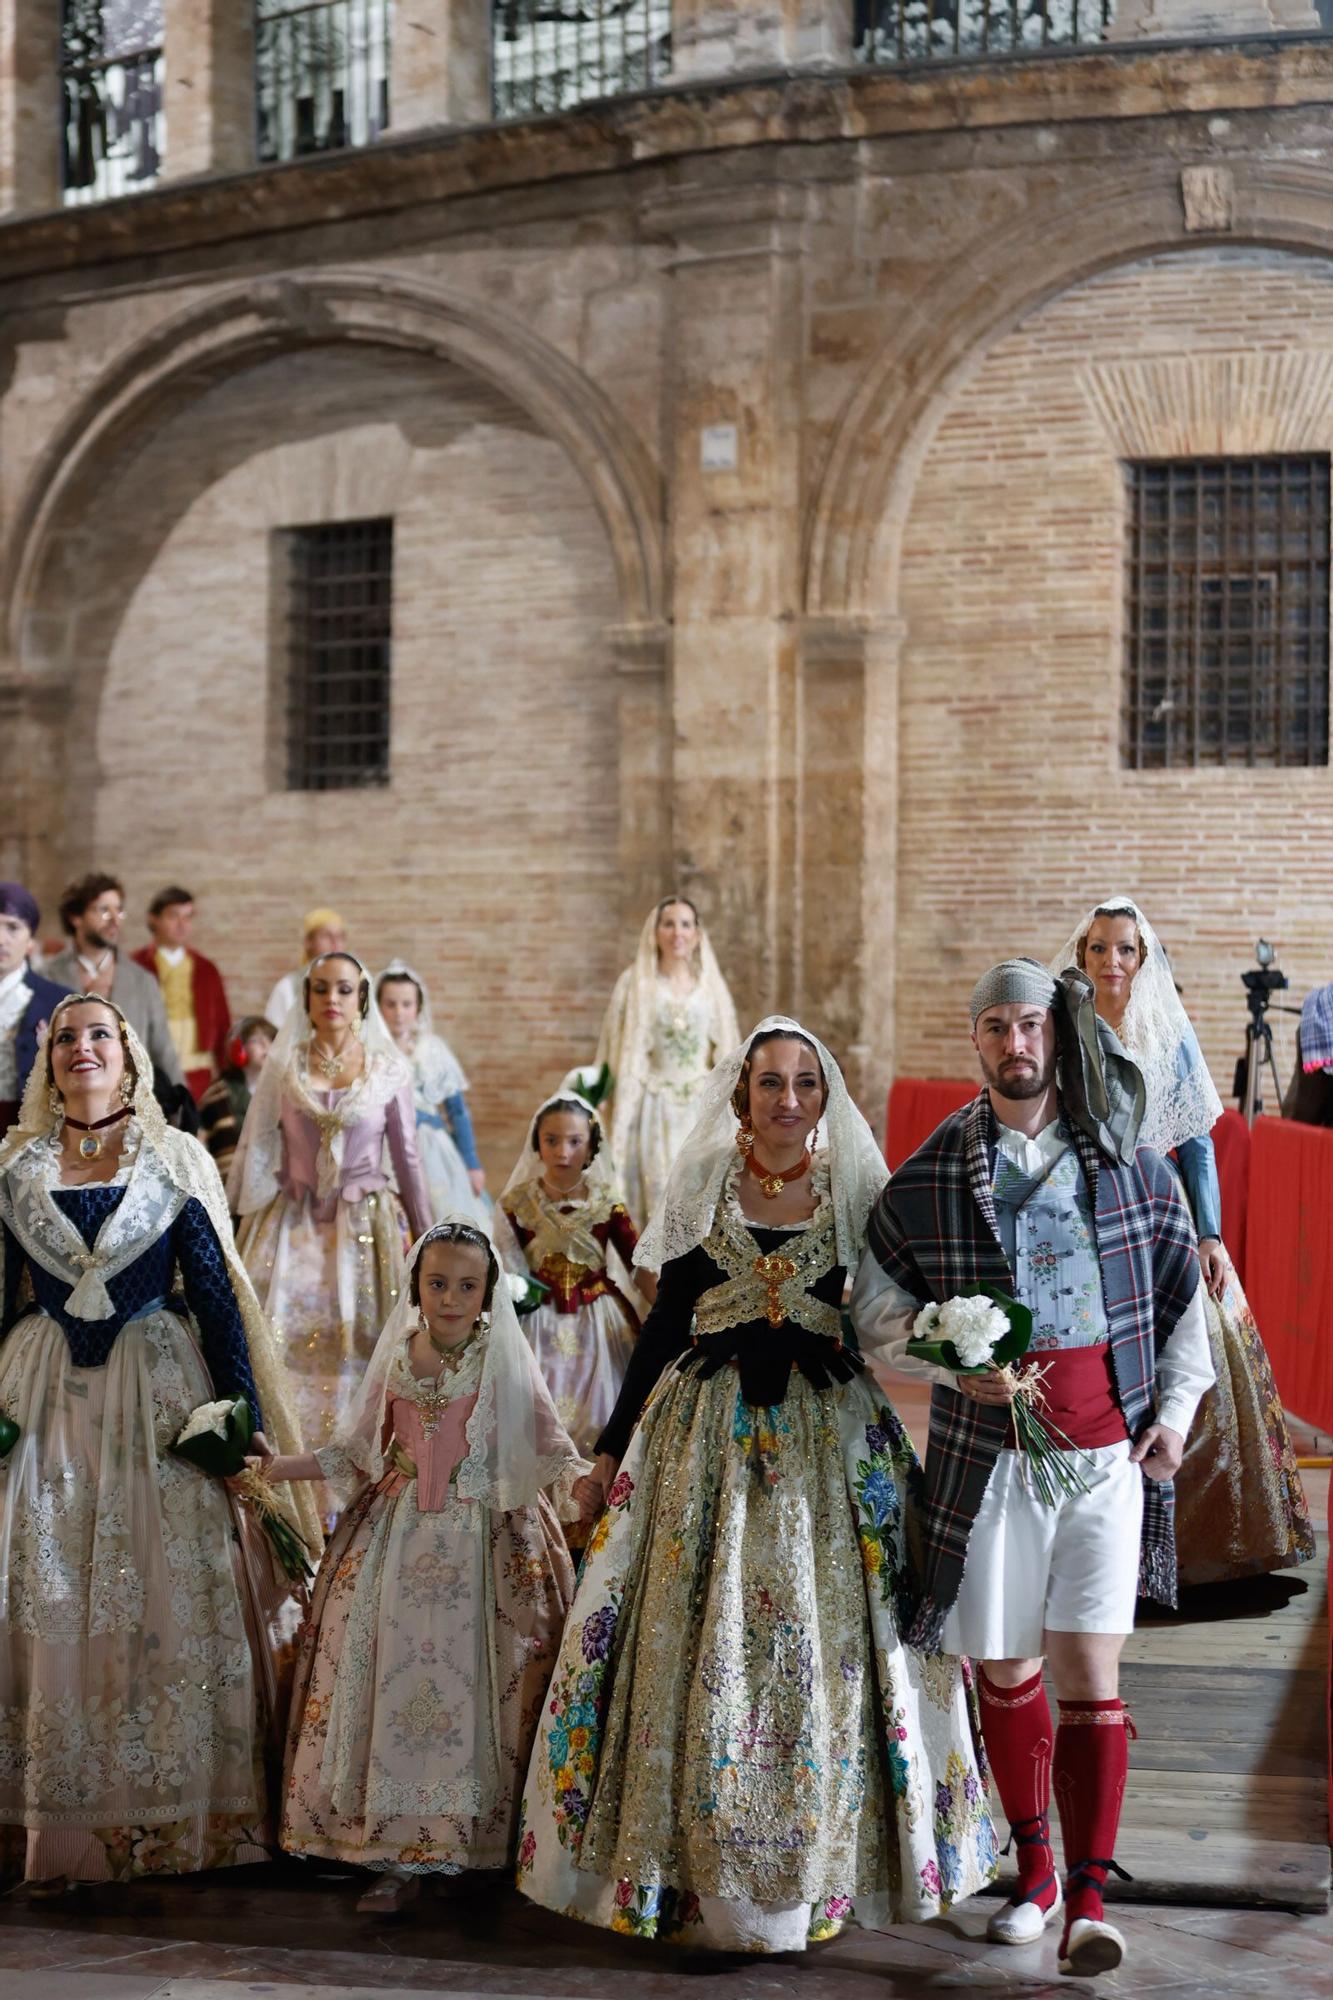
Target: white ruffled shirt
[{"x": 15, "y": 994}]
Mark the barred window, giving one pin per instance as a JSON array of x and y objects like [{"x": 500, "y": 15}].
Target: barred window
[
  {"x": 321, "y": 74},
  {"x": 111, "y": 80},
  {"x": 1226, "y": 614},
  {"x": 339, "y": 604},
  {"x": 547, "y": 55}
]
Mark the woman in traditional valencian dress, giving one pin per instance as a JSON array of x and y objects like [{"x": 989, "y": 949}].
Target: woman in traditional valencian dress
[
  {"x": 136, "y": 1681},
  {"x": 563, "y": 1222},
  {"x": 1240, "y": 1507},
  {"x": 321, "y": 1225},
  {"x": 738, "y": 1751},
  {"x": 440, "y": 1604},
  {"x": 449, "y": 1156},
  {"x": 670, "y": 1018}
]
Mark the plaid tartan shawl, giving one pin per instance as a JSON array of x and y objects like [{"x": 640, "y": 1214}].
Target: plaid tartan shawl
[{"x": 934, "y": 1230}]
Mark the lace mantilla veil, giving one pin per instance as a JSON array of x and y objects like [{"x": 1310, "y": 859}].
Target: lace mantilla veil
[
  {"x": 516, "y": 1442},
  {"x": 439, "y": 1068},
  {"x": 627, "y": 1033},
  {"x": 684, "y": 1216},
  {"x": 1182, "y": 1100},
  {"x": 164, "y": 1153},
  {"x": 252, "y": 1180}
]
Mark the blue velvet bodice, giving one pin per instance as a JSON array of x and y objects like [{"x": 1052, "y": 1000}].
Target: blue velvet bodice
[{"x": 188, "y": 1252}]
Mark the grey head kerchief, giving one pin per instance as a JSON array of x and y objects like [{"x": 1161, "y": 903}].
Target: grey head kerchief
[{"x": 1101, "y": 1088}]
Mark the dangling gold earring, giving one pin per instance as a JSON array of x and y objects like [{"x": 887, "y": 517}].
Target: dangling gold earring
[
  {"x": 127, "y": 1089},
  {"x": 422, "y": 1322},
  {"x": 57, "y": 1103},
  {"x": 745, "y": 1140}
]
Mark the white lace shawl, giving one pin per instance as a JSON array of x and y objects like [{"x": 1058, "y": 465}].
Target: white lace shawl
[
  {"x": 517, "y": 1445},
  {"x": 856, "y": 1169},
  {"x": 253, "y": 1177},
  {"x": 627, "y": 1032},
  {"x": 1156, "y": 1031},
  {"x": 167, "y": 1169}
]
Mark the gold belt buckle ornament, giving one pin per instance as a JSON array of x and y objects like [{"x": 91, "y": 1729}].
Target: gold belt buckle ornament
[{"x": 774, "y": 1271}]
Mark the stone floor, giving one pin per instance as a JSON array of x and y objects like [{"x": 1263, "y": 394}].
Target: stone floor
[{"x": 290, "y": 1932}]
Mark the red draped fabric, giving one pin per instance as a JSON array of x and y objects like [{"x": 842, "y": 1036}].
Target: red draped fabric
[
  {"x": 916, "y": 1106},
  {"x": 1289, "y": 1263},
  {"x": 1231, "y": 1143}
]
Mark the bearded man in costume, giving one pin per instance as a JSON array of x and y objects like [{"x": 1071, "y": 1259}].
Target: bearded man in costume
[{"x": 1038, "y": 1187}]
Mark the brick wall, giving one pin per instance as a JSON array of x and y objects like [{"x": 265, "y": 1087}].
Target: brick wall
[
  {"x": 489, "y": 861},
  {"x": 1016, "y": 814}
]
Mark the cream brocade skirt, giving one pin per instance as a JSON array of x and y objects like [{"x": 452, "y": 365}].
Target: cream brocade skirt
[
  {"x": 737, "y": 1749},
  {"x": 657, "y": 1134},
  {"x": 1240, "y": 1505},
  {"x": 583, "y": 1356},
  {"x": 328, "y": 1288},
  {"x": 129, "y": 1708},
  {"x": 391, "y": 1719}
]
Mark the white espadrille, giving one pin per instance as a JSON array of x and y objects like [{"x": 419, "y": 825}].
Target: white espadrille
[
  {"x": 1023, "y": 1923},
  {"x": 1093, "y": 1946}
]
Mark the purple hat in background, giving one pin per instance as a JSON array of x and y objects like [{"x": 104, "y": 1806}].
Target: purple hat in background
[{"x": 16, "y": 901}]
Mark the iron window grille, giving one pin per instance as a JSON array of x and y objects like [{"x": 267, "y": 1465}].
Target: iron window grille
[
  {"x": 321, "y": 75},
  {"x": 914, "y": 31},
  {"x": 1226, "y": 614},
  {"x": 111, "y": 78},
  {"x": 549, "y": 54},
  {"x": 339, "y": 619}
]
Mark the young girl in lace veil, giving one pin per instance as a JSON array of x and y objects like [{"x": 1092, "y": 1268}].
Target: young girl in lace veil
[
  {"x": 437, "y": 1611},
  {"x": 562, "y": 1219},
  {"x": 1239, "y": 1505},
  {"x": 670, "y": 1017},
  {"x": 445, "y": 1138}
]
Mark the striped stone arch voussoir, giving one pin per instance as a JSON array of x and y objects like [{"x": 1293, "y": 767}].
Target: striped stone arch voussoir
[
  {"x": 854, "y": 529},
  {"x": 241, "y": 325}
]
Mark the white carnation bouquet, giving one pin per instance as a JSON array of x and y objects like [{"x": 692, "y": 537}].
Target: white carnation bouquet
[
  {"x": 983, "y": 1329},
  {"x": 216, "y": 1438}
]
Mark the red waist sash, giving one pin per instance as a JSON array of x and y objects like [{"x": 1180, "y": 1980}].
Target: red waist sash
[{"x": 1079, "y": 1395}]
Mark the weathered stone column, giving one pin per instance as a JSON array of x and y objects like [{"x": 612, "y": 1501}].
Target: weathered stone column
[
  {"x": 727, "y": 37},
  {"x": 1208, "y": 20},
  {"x": 208, "y": 94},
  {"x": 733, "y": 421},
  {"x": 848, "y": 844},
  {"x": 640, "y": 660},
  {"x": 439, "y": 64},
  {"x": 35, "y": 829},
  {"x": 29, "y": 106}
]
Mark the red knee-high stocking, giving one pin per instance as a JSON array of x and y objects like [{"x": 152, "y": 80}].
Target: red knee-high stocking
[
  {"x": 1016, "y": 1729},
  {"x": 1091, "y": 1765}
]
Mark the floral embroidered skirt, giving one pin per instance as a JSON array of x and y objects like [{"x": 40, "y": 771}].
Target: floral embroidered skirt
[
  {"x": 583, "y": 1356},
  {"x": 130, "y": 1724},
  {"x": 328, "y": 1288},
  {"x": 1240, "y": 1506},
  {"x": 422, "y": 1670},
  {"x": 737, "y": 1749}
]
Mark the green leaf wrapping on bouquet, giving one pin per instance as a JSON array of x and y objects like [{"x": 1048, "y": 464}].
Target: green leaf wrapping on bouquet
[
  {"x": 222, "y": 1433},
  {"x": 1014, "y": 1344},
  {"x": 535, "y": 1295},
  {"x": 9, "y": 1435}
]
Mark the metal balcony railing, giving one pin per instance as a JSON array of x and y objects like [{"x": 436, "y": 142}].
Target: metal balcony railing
[
  {"x": 321, "y": 75},
  {"x": 111, "y": 76},
  {"x": 913, "y": 31},
  {"x": 549, "y": 54}
]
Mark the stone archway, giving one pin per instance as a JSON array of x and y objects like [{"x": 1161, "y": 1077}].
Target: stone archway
[{"x": 855, "y": 624}]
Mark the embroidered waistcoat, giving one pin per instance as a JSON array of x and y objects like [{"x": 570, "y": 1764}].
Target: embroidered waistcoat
[{"x": 1047, "y": 1230}]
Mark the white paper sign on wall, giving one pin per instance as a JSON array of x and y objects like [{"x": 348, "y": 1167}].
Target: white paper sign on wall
[{"x": 719, "y": 448}]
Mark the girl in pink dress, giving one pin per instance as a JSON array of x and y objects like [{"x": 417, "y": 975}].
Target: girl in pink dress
[
  {"x": 326, "y": 1171},
  {"x": 439, "y": 1606}
]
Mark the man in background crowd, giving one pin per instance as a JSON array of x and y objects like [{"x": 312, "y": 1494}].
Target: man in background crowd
[
  {"x": 323, "y": 930},
  {"x": 91, "y": 913},
  {"x": 26, "y": 999},
  {"x": 192, "y": 989}
]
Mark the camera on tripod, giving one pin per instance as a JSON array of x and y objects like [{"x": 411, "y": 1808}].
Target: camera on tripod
[
  {"x": 1257, "y": 1061},
  {"x": 1268, "y": 980}
]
